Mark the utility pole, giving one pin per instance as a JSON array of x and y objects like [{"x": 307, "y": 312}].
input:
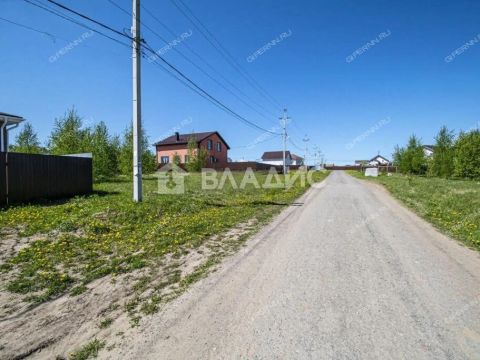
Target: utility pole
[
  {"x": 316, "y": 153},
  {"x": 306, "y": 140},
  {"x": 137, "y": 104},
  {"x": 284, "y": 119}
]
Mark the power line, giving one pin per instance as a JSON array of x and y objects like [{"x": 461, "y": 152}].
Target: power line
[
  {"x": 255, "y": 143},
  {"x": 56, "y": 13},
  {"x": 295, "y": 145},
  {"x": 207, "y": 95},
  {"x": 190, "y": 61},
  {"x": 53, "y": 37},
  {"x": 224, "y": 52},
  {"x": 274, "y": 101},
  {"x": 168, "y": 64},
  {"x": 90, "y": 19},
  {"x": 202, "y": 59}
]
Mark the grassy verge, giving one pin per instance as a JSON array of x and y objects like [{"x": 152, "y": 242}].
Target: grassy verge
[
  {"x": 453, "y": 206},
  {"x": 76, "y": 241}
]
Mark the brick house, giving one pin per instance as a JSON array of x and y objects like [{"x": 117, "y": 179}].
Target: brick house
[{"x": 177, "y": 145}]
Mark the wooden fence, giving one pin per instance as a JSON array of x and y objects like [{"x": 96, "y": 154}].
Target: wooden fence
[{"x": 26, "y": 177}]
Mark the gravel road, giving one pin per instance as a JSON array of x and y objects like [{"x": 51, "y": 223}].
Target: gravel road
[{"x": 345, "y": 273}]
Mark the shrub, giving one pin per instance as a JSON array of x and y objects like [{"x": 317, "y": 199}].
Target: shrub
[
  {"x": 411, "y": 160},
  {"x": 467, "y": 155}
]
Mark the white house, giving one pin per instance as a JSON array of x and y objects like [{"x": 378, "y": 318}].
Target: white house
[
  {"x": 276, "y": 158},
  {"x": 379, "y": 160},
  {"x": 428, "y": 150},
  {"x": 7, "y": 123}
]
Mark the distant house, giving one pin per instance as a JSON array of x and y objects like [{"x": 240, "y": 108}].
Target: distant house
[
  {"x": 428, "y": 150},
  {"x": 276, "y": 158},
  {"x": 297, "y": 160},
  {"x": 7, "y": 123},
  {"x": 177, "y": 145},
  {"x": 379, "y": 160}
]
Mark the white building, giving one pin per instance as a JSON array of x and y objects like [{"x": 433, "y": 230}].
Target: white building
[
  {"x": 379, "y": 160},
  {"x": 276, "y": 158},
  {"x": 428, "y": 150}
]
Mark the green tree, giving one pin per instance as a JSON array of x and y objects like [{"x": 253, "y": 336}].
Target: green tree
[
  {"x": 176, "y": 159},
  {"x": 68, "y": 137},
  {"x": 105, "y": 152},
  {"x": 197, "y": 157},
  {"x": 398, "y": 156},
  {"x": 411, "y": 160},
  {"x": 467, "y": 155},
  {"x": 27, "y": 141},
  {"x": 442, "y": 163},
  {"x": 125, "y": 160}
]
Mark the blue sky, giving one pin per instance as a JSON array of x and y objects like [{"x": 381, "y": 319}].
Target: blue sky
[{"x": 403, "y": 77}]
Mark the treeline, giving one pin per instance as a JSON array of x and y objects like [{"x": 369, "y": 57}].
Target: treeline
[
  {"x": 453, "y": 156},
  {"x": 112, "y": 154}
]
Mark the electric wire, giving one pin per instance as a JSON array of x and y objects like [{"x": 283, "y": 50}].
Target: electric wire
[
  {"x": 191, "y": 62},
  {"x": 146, "y": 46},
  {"x": 53, "y": 37},
  {"x": 203, "y": 60},
  {"x": 223, "y": 51}
]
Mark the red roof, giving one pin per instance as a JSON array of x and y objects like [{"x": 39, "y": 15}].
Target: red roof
[{"x": 185, "y": 138}]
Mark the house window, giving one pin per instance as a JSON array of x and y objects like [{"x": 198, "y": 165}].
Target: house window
[
  {"x": 209, "y": 144},
  {"x": 219, "y": 146},
  {"x": 187, "y": 159},
  {"x": 213, "y": 159},
  {"x": 164, "y": 159}
]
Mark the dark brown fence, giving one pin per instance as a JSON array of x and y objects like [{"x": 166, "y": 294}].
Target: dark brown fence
[
  {"x": 391, "y": 169},
  {"x": 26, "y": 177},
  {"x": 342, "y": 167},
  {"x": 3, "y": 177},
  {"x": 256, "y": 166}
]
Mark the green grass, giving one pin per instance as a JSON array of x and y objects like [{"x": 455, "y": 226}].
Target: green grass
[
  {"x": 453, "y": 206},
  {"x": 88, "y": 351},
  {"x": 105, "y": 323},
  {"x": 89, "y": 237}
]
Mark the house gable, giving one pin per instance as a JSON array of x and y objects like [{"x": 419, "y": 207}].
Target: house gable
[{"x": 379, "y": 160}]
